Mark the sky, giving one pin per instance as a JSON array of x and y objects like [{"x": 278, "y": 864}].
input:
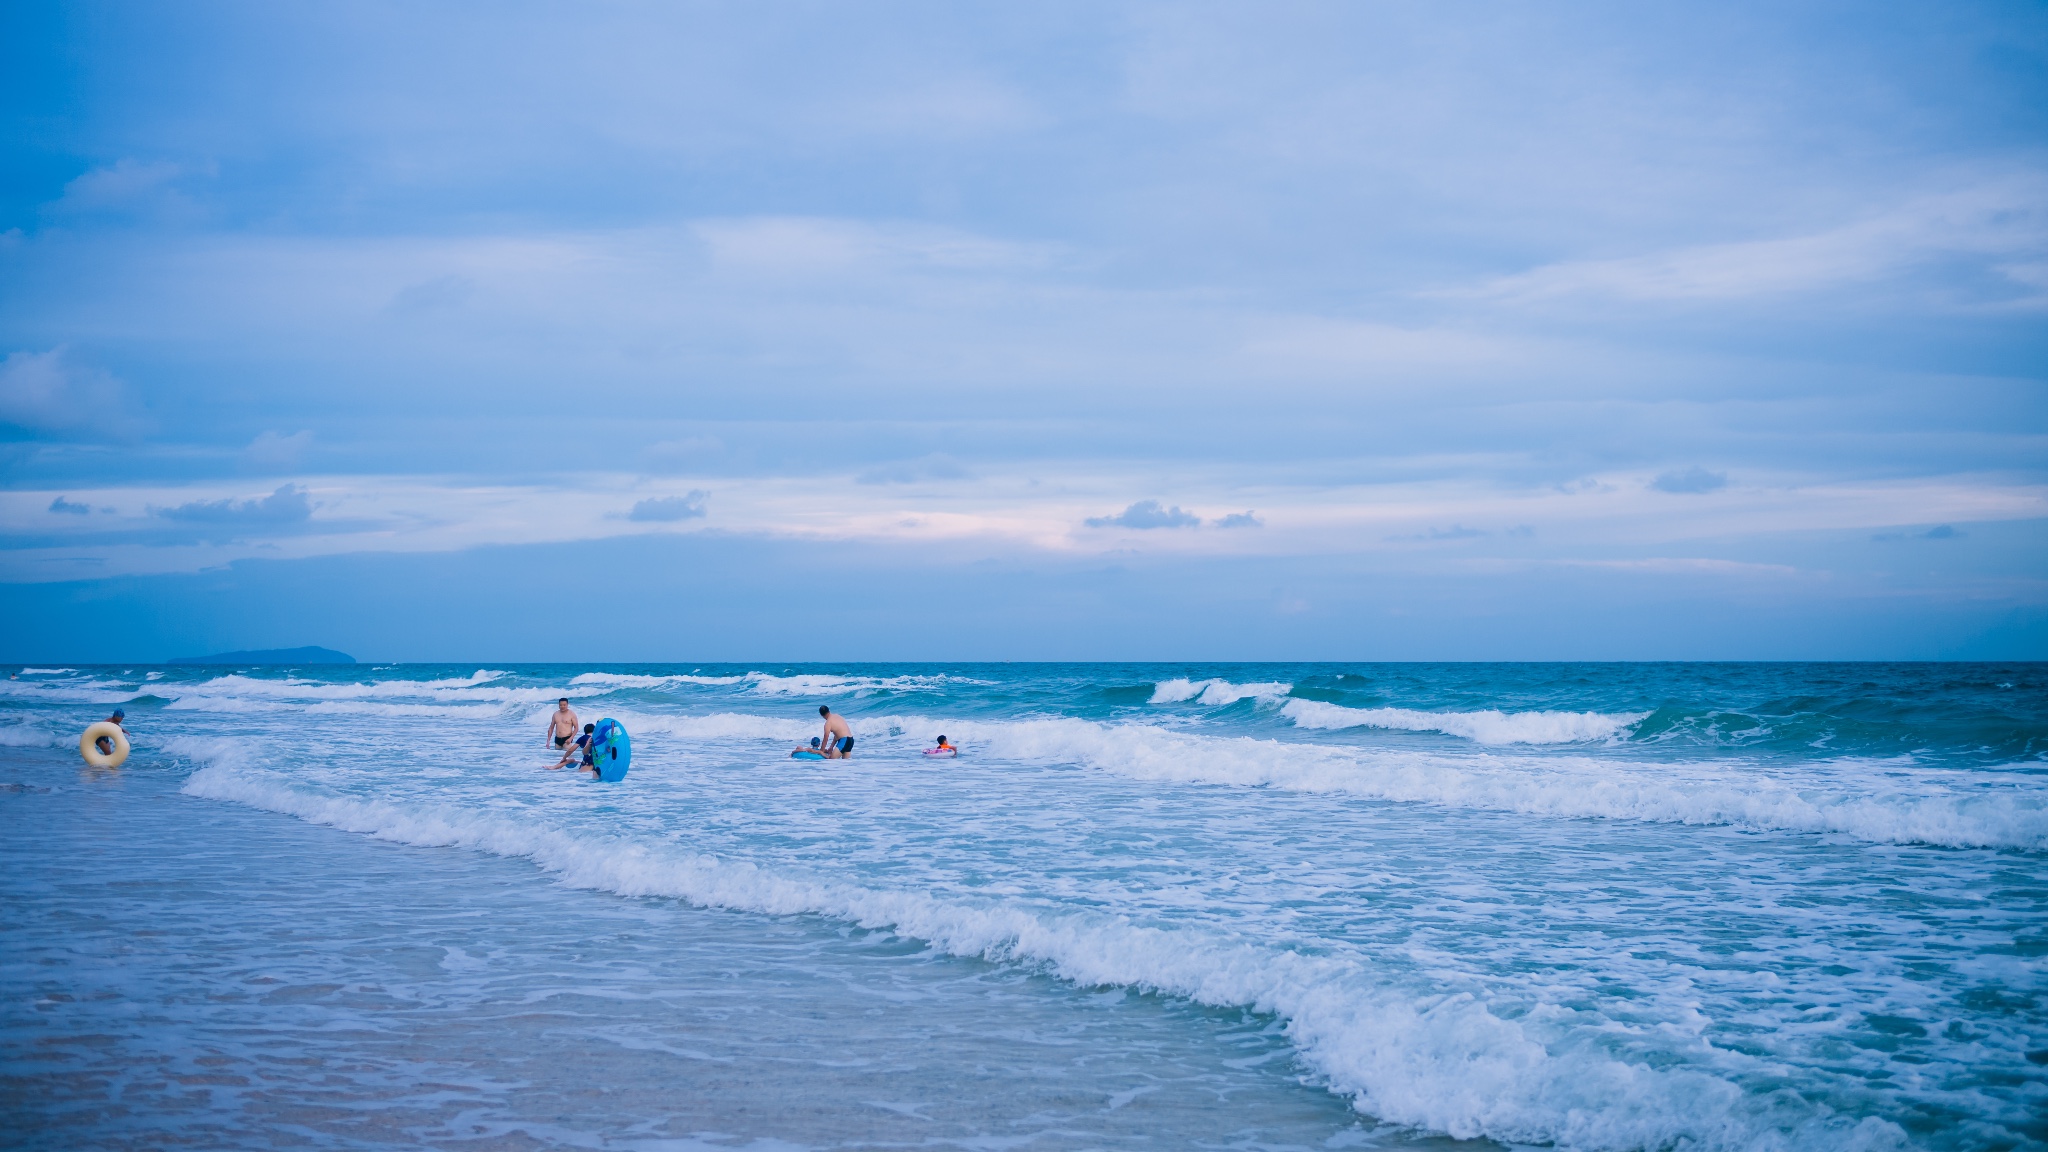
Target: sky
[{"x": 906, "y": 331}]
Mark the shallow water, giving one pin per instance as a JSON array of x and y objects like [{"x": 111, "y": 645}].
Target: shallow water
[{"x": 1601, "y": 906}]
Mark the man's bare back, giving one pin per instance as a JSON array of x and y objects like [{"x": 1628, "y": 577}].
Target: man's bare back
[{"x": 838, "y": 740}]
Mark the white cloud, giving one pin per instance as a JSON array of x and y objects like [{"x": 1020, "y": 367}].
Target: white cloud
[
  {"x": 998, "y": 513},
  {"x": 51, "y": 394},
  {"x": 667, "y": 509},
  {"x": 1692, "y": 480},
  {"x": 1147, "y": 514},
  {"x": 275, "y": 450},
  {"x": 287, "y": 506},
  {"x": 126, "y": 187},
  {"x": 2002, "y": 222}
]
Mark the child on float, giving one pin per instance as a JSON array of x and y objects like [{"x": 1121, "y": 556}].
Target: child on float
[{"x": 582, "y": 745}]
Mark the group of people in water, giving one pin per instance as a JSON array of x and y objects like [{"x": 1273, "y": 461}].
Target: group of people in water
[
  {"x": 834, "y": 743},
  {"x": 562, "y": 733}
]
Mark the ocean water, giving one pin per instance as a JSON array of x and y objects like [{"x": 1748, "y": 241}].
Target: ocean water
[{"x": 1737, "y": 906}]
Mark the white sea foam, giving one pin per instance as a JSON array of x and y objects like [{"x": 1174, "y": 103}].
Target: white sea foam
[
  {"x": 89, "y": 691},
  {"x": 1216, "y": 693},
  {"x": 1486, "y": 727},
  {"x": 46, "y": 671},
  {"x": 230, "y": 705},
  {"x": 27, "y": 736},
  {"x": 1414, "y": 1057},
  {"x": 293, "y": 688},
  {"x": 765, "y": 684},
  {"x": 622, "y": 680},
  {"x": 1865, "y": 800},
  {"x": 724, "y": 726},
  {"x": 478, "y": 694},
  {"x": 769, "y": 684}
]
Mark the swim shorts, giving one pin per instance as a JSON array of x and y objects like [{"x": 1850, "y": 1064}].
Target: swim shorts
[
  {"x": 845, "y": 745},
  {"x": 561, "y": 741}
]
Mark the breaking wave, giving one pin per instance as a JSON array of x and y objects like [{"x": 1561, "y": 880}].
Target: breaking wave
[
  {"x": 769, "y": 684},
  {"x": 1862, "y": 800},
  {"x": 1410, "y": 1056},
  {"x": 27, "y": 736},
  {"x": 1486, "y": 727},
  {"x": 1216, "y": 693}
]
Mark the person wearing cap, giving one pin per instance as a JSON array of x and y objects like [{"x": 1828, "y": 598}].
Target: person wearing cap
[{"x": 106, "y": 743}]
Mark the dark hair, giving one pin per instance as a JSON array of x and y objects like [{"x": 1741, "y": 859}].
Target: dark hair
[
  {"x": 563, "y": 700},
  {"x": 590, "y": 727},
  {"x": 824, "y": 710},
  {"x": 942, "y": 737}
]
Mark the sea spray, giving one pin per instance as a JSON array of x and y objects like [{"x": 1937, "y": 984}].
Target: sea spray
[
  {"x": 1439, "y": 1063},
  {"x": 1509, "y": 902}
]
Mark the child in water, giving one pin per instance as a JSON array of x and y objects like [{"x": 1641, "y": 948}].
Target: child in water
[
  {"x": 944, "y": 749},
  {"x": 582, "y": 745}
]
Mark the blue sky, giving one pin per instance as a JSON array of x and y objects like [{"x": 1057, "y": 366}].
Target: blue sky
[{"x": 931, "y": 331}]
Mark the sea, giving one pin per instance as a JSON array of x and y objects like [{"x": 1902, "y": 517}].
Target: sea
[{"x": 1161, "y": 906}]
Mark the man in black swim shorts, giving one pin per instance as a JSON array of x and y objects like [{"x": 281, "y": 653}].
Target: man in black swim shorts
[
  {"x": 562, "y": 725},
  {"x": 583, "y": 745}
]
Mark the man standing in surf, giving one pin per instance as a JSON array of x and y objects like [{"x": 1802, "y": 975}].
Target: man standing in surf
[
  {"x": 838, "y": 740},
  {"x": 562, "y": 727}
]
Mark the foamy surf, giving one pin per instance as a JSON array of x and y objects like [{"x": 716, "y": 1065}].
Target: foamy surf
[
  {"x": 1488, "y": 726},
  {"x": 474, "y": 686},
  {"x": 766, "y": 684},
  {"x": 1425, "y": 1058},
  {"x": 625, "y": 680},
  {"x": 1216, "y": 693},
  {"x": 1867, "y": 804},
  {"x": 1495, "y": 898},
  {"x": 26, "y": 736}
]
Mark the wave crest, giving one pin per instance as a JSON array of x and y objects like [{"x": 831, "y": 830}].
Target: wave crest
[
  {"x": 27, "y": 736},
  {"x": 1216, "y": 693},
  {"x": 1485, "y": 727},
  {"x": 1409, "y": 1056},
  {"x": 1864, "y": 802}
]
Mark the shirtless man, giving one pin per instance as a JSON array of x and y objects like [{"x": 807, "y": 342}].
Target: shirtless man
[
  {"x": 838, "y": 739},
  {"x": 106, "y": 743},
  {"x": 562, "y": 726},
  {"x": 582, "y": 745}
]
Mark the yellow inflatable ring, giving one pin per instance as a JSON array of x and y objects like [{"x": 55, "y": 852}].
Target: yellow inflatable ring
[{"x": 88, "y": 745}]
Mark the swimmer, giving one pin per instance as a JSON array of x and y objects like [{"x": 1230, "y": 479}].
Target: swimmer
[
  {"x": 944, "y": 749},
  {"x": 582, "y": 745},
  {"x": 106, "y": 743},
  {"x": 562, "y": 727},
  {"x": 838, "y": 738}
]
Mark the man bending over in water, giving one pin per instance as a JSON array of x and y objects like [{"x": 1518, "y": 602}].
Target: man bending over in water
[
  {"x": 582, "y": 745},
  {"x": 106, "y": 743},
  {"x": 838, "y": 741},
  {"x": 562, "y": 726}
]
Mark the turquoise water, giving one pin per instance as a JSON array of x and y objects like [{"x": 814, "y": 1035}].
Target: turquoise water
[{"x": 1594, "y": 906}]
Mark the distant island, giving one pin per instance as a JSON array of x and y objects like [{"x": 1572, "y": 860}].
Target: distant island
[{"x": 271, "y": 656}]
